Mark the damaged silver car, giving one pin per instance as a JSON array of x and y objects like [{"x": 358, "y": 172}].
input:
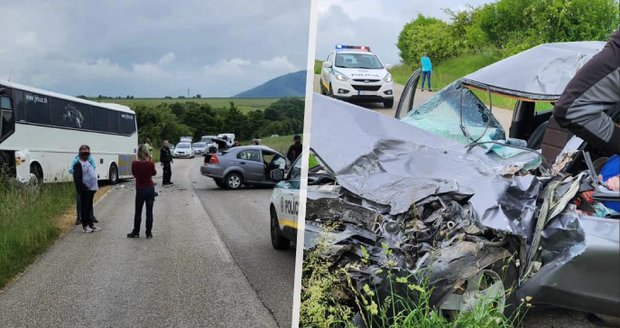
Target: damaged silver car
[{"x": 442, "y": 191}]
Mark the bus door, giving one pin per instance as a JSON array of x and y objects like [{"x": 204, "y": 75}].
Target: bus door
[{"x": 7, "y": 127}]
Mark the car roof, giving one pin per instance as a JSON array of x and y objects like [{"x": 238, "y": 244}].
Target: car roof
[
  {"x": 540, "y": 73},
  {"x": 355, "y": 51},
  {"x": 256, "y": 147}
]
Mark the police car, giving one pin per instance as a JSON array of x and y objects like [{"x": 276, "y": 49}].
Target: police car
[
  {"x": 284, "y": 206},
  {"x": 354, "y": 73}
]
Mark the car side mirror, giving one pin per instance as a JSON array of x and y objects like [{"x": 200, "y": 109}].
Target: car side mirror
[
  {"x": 388, "y": 66},
  {"x": 327, "y": 64},
  {"x": 277, "y": 174}
]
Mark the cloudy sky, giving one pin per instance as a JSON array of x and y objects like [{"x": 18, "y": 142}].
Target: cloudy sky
[
  {"x": 375, "y": 23},
  {"x": 152, "y": 48}
]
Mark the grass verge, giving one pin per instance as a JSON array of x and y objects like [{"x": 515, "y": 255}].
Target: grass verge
[
  {"x": 243, "y": 104},
  {"x": 30, "y": 221},
  {"x": 456, "y": 68},
  {"x": 280, "y": 143}
]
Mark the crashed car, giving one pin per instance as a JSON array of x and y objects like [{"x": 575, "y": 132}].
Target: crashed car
[{"x": 442, "y": 193}]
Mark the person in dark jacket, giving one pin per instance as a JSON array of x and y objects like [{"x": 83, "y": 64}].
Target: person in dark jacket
[
  {"x": 295, "y": 149},
  {"x": 85, "y": 179},
  {"x": 585, "y": 104},
  {"x": 165, "y": 157},
  {"x": 143, "y": 171}
]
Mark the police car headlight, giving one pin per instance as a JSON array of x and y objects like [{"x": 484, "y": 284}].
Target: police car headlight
[
  {"x": 341, "y": 77},
  {"x": 388, "y": 78}
]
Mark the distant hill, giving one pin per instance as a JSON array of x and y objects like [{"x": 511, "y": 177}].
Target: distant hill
[{"x": 289, "y": 85}]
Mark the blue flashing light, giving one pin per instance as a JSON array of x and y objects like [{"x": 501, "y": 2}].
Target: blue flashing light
[{"x": 342, "y": 46}]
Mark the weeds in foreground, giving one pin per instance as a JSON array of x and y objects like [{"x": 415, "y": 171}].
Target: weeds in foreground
[
  {"x": 405, "y": 303},
  {"x": 27, "y": 223}
]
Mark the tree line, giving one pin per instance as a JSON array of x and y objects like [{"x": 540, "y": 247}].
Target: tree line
[
  {"x": 507, "y": 26},
  {"x": 170, "y": 121}
]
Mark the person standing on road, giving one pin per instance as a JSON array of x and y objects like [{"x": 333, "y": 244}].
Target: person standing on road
[
  {"x": 148, "y": 146},
  {"x": 165, "y": 157},
  {"x": 295, "y": 149},
  {"x": 143, "y": 171},
  {"x": 594, "y": 90},
  {"x": 77, "y": 194},
  {"x": 85, "y": 179},
  {"x": 427, "y": 70}
]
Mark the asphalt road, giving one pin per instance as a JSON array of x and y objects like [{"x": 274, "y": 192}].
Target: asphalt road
[{"x": 190, "y": 274}]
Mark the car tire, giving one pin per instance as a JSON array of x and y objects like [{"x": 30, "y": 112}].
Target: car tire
[
  {"x": 278, "y": 241},
  {"x": 388, "y": 103},
  {"x": 330, "y": 91},
  {"x": 220, "y": 183},
  {"x": 233, "y": 181},
  {"x": 322, "y": 88},
  {"x": 113, "y": 174}
]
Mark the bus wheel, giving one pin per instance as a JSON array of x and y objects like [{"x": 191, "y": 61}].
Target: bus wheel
[
  {"x": 113, "y": 174},
  {"x": 36, "y": 174}
]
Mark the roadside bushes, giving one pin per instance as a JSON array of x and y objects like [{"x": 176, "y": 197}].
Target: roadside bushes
[
  {"x": 171, "y": 121},
  {"x": 508, "y": 26}
]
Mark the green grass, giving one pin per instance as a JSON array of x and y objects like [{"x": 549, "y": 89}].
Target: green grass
[
  {"x": 452, "y": 69},
  {"x": 244, "y": 104},
  {"x": 318, "y": 66},
  {"x": 27, "y": 223},
  {"x": 280, "y": 143},
  {"x": 330, "y": 298}
]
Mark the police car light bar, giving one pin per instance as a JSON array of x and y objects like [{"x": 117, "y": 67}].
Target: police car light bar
[{"x": 342, "y": 46}]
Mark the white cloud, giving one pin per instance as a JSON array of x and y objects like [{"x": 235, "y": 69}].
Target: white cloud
[
  {"x": 279, "y": 64},
  {"x": 167, "y": 58},
  {"x": 232, "y": 67}
]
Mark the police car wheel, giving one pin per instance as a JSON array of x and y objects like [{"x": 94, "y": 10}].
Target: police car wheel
[
  {"x": 322, "y": 87},
  {"x": 388, "y": 103},
  {"x": 278, "y": 241},
  {"x": 330, "y": 91},
  {"x": 233, "y": 181}
]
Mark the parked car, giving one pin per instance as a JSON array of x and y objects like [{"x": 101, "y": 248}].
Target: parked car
[
  {"x": 183, "y": 150},
  {"x": 244, "y": 165},
  {"x": 447, "y": 195},
  {"x": 199, "y": 147},
  {"x": 229, "y": 137},
  {"x": 210, "y": 141}
]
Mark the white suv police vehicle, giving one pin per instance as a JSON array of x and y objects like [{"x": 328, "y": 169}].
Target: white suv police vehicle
[
  {"x": 354, "y": 73},
  {"x": 284, "y": 207}
]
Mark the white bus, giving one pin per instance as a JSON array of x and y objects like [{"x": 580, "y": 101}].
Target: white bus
[{"x": 41, "y": 131}]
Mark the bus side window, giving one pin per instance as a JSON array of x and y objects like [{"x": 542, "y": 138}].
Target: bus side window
[{"x": 7, "y": 124}]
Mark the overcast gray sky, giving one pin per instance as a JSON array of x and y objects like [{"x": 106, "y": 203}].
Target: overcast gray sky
[
  {"x": 375, "y": 23},
  {"x": 152, "y": 48}
]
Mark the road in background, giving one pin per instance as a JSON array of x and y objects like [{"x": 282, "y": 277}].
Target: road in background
[{"x": 189, "y": 275}]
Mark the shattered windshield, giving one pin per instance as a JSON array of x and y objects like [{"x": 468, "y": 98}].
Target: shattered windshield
[{"x": 441, "y": 115}]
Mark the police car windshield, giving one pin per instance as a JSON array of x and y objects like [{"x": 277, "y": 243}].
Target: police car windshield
[
  {"x": 183, "y": 145},
  {"x": 357, "y": 60}
]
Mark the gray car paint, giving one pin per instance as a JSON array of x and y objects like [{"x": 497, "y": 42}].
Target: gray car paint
[
  {"x": 391, "y": 165},
  {"x": 252, "y": 171}
]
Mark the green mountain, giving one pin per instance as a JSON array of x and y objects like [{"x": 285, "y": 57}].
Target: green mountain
[{"x": 288, "y": 85}]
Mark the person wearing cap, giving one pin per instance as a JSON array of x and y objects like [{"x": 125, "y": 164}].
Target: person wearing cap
[
  {"x": 85, "y": 179},
  {"x": 295, "y": 149},
  {"x": 77, "y": 194}
]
